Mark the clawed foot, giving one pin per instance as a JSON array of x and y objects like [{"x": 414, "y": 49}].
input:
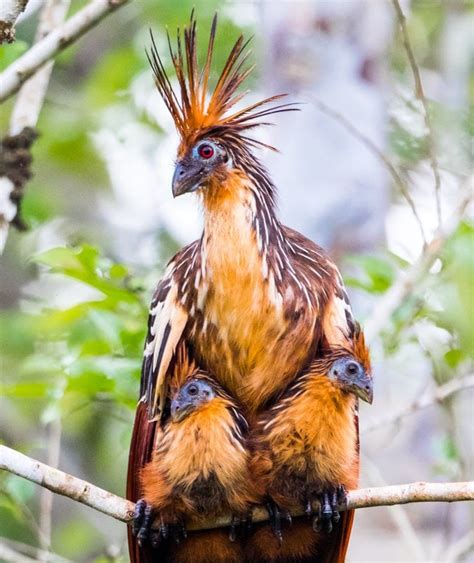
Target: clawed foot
[
  {"x": 240, "y": 525},
  {"x": 327, "y": 515},
  {"x": 277, "y": 515},
  {"x": 143, "y": 520}
]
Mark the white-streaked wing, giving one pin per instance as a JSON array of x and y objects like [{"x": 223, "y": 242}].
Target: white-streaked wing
[{"x": 165, "y": 328}]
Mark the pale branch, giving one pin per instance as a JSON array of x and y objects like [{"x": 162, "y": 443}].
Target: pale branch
[
  {"x": 31, "y": 95},
  {"x": 52, "y": 36},
  {"x": 25, "y": 115},
  {"x": 121, "y": 509},
  {"x": 408, "y": 279},
  {"x": 43, "y": 51},
  {"x": 10, "y": 10},
  {"x": 12, "y": 556},
  {"x": 372, "y": 147},
  {"x": 420, "y": 94},
  {"x": 439, "y": 395},
  {"x": 29, "y": 551}
]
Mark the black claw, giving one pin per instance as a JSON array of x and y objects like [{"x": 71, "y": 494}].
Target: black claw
[
  {"x": 276, "y": 515},
  {"x": 235, "y": 522},
  {"x": 142, "y": 526},
  {"x": 241, "y": 525},
  {"x": 327, "y": 515},
  {"x": 317, "y": 520},
  {"x": 342, "y": 496},
  {"x": 138, "y": 516},
  {"x": 164, "y": 529},
  {"x": 145, "y": 528},
  {"x": 156, "y": 537}
]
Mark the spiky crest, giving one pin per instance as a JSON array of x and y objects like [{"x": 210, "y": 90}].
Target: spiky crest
[{"x": 192, "y": 116}]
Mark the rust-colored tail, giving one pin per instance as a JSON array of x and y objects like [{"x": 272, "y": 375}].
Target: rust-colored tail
[
  {"x": 335, "y": 549},
  {"x": 141, "y": 448}
]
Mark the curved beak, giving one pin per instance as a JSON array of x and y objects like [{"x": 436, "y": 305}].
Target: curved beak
[
  {"x": 186, "y": 178},
  {"x": 180, "y": 409},
  {"x": 362, "y": 386}
]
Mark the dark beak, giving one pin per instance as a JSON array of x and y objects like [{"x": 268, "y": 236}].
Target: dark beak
[
  {"x": 180, "y": 409},
  {"x": 362, "y": 386},
  {"x": 186, "y": 178}
]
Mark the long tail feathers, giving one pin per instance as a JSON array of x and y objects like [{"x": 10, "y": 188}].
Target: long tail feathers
[{"x": 141, "y": 448}]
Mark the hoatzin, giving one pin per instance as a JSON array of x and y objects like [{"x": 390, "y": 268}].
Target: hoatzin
[
  {"x": 252, "y": 302},
  {"x": 183, "y": 482},
  {"x": 306, "y": 449}
]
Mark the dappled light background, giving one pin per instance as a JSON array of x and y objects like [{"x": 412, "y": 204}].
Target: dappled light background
[{"x": 102, "y": 224}]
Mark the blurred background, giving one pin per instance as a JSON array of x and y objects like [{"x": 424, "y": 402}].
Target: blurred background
[{"x": 102, "y": 223}]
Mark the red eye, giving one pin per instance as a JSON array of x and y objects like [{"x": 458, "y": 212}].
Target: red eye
[{"x": 206, "y": 151}]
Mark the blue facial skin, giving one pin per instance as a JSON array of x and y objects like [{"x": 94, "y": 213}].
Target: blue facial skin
[
  {"x": 190, "y": 397},
  {"x": 349, "y": 374},
  {"x": 196, "y": 167}
]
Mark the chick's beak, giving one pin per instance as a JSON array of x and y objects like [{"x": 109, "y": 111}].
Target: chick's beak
[
  {"x": 363, "y": 388},
  {"x": 186, "y": 178},
  {"x": 180, "y": 409}
]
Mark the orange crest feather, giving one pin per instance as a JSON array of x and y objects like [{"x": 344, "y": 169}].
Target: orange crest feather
[{"x": 191, "y": 114}]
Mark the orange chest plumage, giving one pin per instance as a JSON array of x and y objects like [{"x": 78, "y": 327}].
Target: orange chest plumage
[{"x": 251, "y": 335}]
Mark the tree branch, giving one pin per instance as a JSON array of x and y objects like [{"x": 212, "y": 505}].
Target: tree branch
[
  {"x": 74, "y": 28},
  {"x": 16, "y": 155},
  {"x": 420, "y": 94},
  {"x": 10, "y": 10},
  {"x": 121, "y": 509},
  {"x": 372, "y": 147},
  {"x": 405, "y": 284},
  {"x": 52, "y": 36}
]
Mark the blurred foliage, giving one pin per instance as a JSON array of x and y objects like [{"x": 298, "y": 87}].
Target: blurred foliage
[{"x": 75, "y": 357}]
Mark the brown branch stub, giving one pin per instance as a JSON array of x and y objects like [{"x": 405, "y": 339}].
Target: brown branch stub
[
  {"x": 121, "y": 509},
  {"x": 9, "y": 12},
  {"x": 15, "y": 164}
]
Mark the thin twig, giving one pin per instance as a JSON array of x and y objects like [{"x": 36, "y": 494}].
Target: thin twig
[
  {"x": 74, "y": 28},
  {"x": 459, "y": 549},
  {"x": 420, "y": 94},
  {"x": 27, "y": 550},
  {"x": 12, "y": 556},
  {"x": 407, "y": 281},
  {"x": 398, "y": 513},
  {"x": 121, "y": 509},
  {"x": 440, "y": 394},
  {"x": 46, "y": 498},
  {"x": 357, "y": 133}
]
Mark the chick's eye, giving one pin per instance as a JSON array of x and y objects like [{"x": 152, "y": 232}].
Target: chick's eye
[
  {"x": 206, "y": 151},
  {"x": 192, "y": 389}
]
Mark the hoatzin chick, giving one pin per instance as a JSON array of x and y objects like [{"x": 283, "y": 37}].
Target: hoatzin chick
[
  {"x": 307, "y": 453},
  {"x": 252, "y": 301},
  {"x": 184, "y": 483}
]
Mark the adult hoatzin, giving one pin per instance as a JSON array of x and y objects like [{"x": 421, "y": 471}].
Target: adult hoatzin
[
  {"x": 306, "y": 449},
  {"x": 182, "y": 482},
  {"x": 252, "y": 302}
]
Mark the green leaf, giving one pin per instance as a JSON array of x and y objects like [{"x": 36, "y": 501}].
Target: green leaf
[
  {"x": 454, "y": 357},
  {"x": 9, "y": 53}
]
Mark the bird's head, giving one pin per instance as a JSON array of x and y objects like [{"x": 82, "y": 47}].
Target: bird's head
[
  {"x": 210, "y": 133},
  {"x": 190, "y": 397},
  {"x": 351, "y": 376}
]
